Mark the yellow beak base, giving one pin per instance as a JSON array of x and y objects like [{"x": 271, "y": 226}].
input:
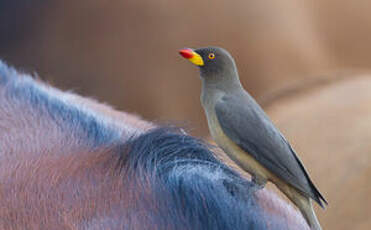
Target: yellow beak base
[{"x": 196, "y": 59}]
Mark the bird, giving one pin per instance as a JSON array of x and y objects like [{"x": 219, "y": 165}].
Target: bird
[{"x": 242, "y": 129}]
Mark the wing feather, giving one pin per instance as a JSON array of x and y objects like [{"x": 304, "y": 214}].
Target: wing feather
[{"x": 246, "y": 124}]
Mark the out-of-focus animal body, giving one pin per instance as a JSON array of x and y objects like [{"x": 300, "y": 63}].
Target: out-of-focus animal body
[{"x": 68, "y": 162}]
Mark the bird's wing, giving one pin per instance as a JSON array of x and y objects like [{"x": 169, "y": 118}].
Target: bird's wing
[{"x": 247, "y": 125}]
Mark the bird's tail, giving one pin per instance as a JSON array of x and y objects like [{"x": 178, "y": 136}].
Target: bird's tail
[
  {"x": 304, "y": 204},
  {"x": 309, "y": 215}
]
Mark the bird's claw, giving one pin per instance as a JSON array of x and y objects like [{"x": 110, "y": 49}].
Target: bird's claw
[{"x": 258, "y": 184}]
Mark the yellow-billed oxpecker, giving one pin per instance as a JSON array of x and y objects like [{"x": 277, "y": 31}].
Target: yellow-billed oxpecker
[{"x": 242, "y": 129}]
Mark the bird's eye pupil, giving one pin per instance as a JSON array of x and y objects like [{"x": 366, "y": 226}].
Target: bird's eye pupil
[{"x": 211, "y": 56}]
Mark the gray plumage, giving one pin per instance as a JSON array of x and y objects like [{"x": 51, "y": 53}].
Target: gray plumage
[
  {"x": 243, "y": 130},
  {"x": 251, "y": 129}
]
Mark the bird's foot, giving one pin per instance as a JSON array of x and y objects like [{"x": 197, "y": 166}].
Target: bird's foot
[{"x": 258, "y": 183}]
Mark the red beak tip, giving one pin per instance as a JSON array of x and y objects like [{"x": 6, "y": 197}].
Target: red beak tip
[{"x": 186, "y": 53}]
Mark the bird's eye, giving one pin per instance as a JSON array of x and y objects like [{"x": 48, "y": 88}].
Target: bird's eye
[{"x": 211, "y": 55}]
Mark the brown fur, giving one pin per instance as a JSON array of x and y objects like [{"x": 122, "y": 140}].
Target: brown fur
[{"x": 53, "y": 177}]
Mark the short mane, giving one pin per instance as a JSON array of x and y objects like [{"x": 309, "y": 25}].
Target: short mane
[{"x": 191, "y": 188}]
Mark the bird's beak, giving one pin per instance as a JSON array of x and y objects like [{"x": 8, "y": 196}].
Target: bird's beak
[{"x": 192, "y": 56}]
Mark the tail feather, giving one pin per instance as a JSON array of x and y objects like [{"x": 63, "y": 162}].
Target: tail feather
[
  {"x": 310, "y": 216},
  {"x": 304, "y": 203}
]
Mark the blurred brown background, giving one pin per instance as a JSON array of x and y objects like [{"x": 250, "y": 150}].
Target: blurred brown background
[{"x": 307, "y": 62}]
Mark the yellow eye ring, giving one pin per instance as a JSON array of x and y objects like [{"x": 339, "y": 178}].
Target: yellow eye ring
[{"x": 211, "y": 55}]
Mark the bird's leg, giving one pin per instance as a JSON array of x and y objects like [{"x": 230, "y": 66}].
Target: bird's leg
[{"x": 259, "y": 182}]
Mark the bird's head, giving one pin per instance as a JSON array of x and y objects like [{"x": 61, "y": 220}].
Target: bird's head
[{"x": 215, "y": 63}]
